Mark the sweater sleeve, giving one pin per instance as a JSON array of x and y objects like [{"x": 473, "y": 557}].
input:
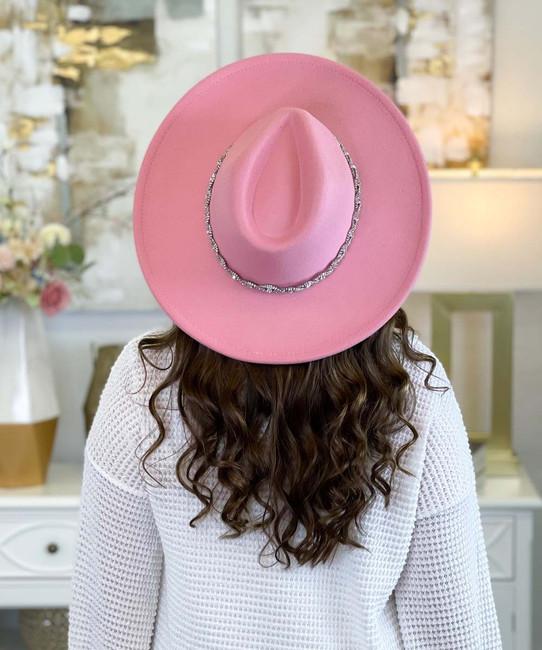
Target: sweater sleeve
[
  {"x": 117, "y": 575},
  {"x": 444, "y": 597}
]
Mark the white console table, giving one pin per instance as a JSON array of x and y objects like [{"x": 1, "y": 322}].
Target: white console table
[
  {"x": 507, "y": 506},
  {"x": 38, "y": 534}
]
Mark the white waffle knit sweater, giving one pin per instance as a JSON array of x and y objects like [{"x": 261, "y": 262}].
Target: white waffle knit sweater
[{"x": 145, "y": 579}]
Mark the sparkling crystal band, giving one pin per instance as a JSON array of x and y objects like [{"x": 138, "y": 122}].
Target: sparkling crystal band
[{"x": 271, "y": 288}]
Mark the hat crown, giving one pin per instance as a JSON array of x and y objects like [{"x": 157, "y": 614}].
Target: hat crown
[{"x": 282, "y": 201}]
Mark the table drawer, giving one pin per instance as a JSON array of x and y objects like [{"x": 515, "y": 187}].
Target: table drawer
[
  {"x": 500, "y": 538},
  {"x": 37, "y": 548}
]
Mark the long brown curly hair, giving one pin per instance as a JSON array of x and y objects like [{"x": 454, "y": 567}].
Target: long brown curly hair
[{"x": 322, "y": 422}]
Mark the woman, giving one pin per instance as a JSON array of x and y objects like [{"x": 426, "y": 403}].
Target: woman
[{"x": 287, "y": 466}]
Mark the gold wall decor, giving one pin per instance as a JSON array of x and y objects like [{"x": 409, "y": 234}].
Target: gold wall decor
[
  {"x": 501, "y": 458},
  {"x": 102, "y": 46},
  {"x": 45, "y": 85},
  {"x": 85, "y": 84},
  {"x": 433, "y": 58}
]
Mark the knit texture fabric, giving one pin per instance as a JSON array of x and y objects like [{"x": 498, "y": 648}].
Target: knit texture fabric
[{"x": 145, "y": 579}]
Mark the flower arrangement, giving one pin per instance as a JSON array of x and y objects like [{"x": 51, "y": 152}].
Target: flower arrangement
[{"x": 37, "y": 263}]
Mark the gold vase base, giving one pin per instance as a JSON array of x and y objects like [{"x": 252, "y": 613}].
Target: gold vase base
[{"x": 25, "y": 451}]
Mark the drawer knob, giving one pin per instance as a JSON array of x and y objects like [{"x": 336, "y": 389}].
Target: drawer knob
[{"x": 52, "y": 548}]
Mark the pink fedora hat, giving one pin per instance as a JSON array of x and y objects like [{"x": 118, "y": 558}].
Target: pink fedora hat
[{"x": 282, "y": 211}]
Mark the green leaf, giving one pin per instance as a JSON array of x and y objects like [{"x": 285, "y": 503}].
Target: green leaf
[
  {"x": 33, "y": 299},
  {"x": 77, "y": 254},
  {"x": 59, "y": 256}
]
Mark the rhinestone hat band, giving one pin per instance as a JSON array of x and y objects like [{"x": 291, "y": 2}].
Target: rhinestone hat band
[{"x": 271, "y": 288}]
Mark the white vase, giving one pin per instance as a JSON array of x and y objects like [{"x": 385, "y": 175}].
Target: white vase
[{"x": 28, "y": 400}]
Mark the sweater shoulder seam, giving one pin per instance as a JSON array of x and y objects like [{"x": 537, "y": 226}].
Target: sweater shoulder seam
[
  {"x": 450, "y": 506},
  {"x": 110, "y": 479}
]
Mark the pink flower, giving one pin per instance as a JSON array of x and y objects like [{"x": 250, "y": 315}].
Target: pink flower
[
  {"x": 7, "y": 258},
  {"x": 54, "y": 297}
]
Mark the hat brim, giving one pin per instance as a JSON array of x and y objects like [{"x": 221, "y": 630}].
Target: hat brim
[{"x": 383, "y": 259}]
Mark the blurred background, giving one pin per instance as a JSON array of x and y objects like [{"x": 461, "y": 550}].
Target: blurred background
[{"x": 85, "y": 86}]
